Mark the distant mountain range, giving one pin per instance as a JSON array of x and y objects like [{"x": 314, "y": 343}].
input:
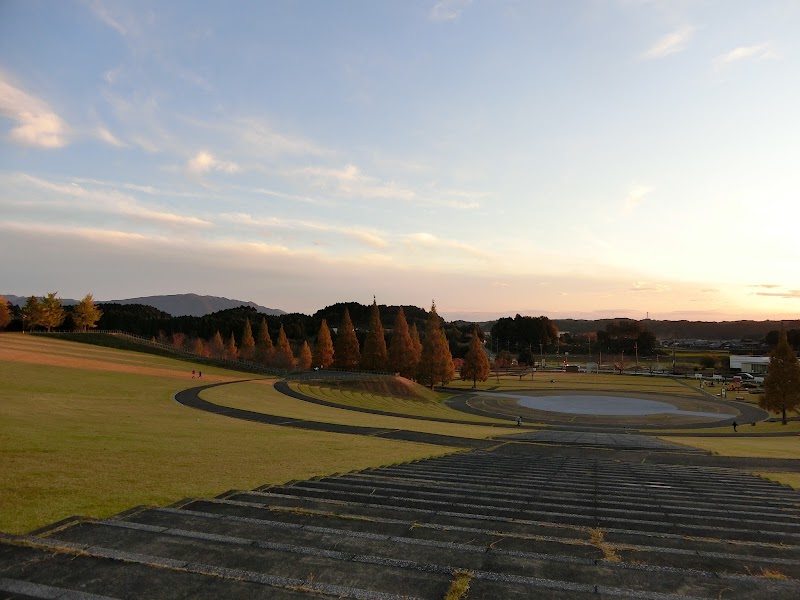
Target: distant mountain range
[{"x": 177, "y": 305}]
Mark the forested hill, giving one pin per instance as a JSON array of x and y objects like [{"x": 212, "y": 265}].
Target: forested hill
[
  {"x": 177, "y": 305},
  {"x": 194, "y": 305},
  {"x": 704, "y": 330}
]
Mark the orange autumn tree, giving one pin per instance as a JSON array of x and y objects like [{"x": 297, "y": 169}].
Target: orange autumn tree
[
  {"x": 283, "y": 358},
  {"x": 436, "y": 363},
  {"x": 403, "y": 357},
  {"x": 248, "y": 349},
  {"x": 264, "y": 347},
  {"x": 346, "y": 351},
  {"x": 5, "y": 312},
  {"x": 374, "y": 356},
  {"x": 417, "y": 356},
  {"x": 304, "y": 358},
  {"x": 323, "y": 349},
  {"x": 476, "y": 363},
  {"x": 231, "y": 352},
  {"x": 217, "y": 346}
]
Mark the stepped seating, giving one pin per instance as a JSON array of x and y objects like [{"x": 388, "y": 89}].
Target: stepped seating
[{"x": 513, "y": 522}]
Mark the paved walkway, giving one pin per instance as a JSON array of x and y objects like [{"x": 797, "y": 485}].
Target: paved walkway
[{"x": 637, "y": 448}]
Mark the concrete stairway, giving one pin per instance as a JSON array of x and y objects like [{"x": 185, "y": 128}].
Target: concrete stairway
[{"x": 511, "y": 522}]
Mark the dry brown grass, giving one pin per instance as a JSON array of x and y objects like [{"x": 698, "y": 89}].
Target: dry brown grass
[{"x": 459, "y": 586}]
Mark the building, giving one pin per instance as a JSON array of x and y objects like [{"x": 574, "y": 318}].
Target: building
[{"x": 756, "y": 365}]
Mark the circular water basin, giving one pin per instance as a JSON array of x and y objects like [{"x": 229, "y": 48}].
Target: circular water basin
[{"x": 585, "y": 404}]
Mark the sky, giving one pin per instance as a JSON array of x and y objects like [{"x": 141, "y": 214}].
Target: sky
[{"x": 586, "y": 159}]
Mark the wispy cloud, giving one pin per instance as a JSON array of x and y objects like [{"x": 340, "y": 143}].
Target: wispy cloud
[
  {"x": 448, "y": 10},
  {"x": 37, "y": 125},
  {"x": 636, "y": 195},
  {"x": 788, "y": 294},
  {"x": 260, "y": 137},
  {"x": 107, "y": 201},
  {"x": 649, "y": 286},
  {"x": 369, "y": 237},
  {"x": 669, "y": 44},
  {"x": 427, "y": 240},
  {"x": 103, "y": 13},
  {"x": 86, "y": 233},
  {"x": 765, "y": 51},
  {"x": 104, "y": 135},
  {"x": 203, "y": 162}
]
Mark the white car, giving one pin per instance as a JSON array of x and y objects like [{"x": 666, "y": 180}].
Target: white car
[{"x": 748, "y": 378}]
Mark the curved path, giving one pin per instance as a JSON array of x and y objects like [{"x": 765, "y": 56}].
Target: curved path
[
  {"x": 652, "y": 453},
  {"x": 191, "y": 398}
]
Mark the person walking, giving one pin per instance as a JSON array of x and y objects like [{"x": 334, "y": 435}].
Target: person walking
[{"x": 734, "y": 426}]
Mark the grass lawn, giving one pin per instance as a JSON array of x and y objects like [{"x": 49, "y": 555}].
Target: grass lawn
[
  {"x": 403, "y": 405},
  {"x": 790, "y": 479},
  {"x": 767, "y": 447},
  {"x": 260, "y": 396},
  {"x": 590, "y": 382},
  {"x": 93, "y": 431}
]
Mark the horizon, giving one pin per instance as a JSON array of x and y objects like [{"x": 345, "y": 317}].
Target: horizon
[
  {"x": 475, "y": 317},
  {"x": 608, "y": 159}
]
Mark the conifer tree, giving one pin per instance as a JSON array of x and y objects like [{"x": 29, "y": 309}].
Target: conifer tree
[
  {"x": 264, "y": 347},
  {"x": 346, "y": 351},
  {"x": 231, "y": 352},
  {"x": 282, "y": 355},
  {"x": 782, "y": 383},
  {"x": 476, "y": 363},
  {"x": 86, "y": 314},
  {"x": 31, "y": 313},
  {"x": 217, "y": 346},
  {"x": 402, "y": 354},
  {"x": 374, "y": 356},
  {"x": 52, "y": 313},
  {"x": 5, "y": 312},
  {"x": 198, "y": 347},
  {"x": 304, "y": 358},
  {"x": 323, "y": 349},
  {"x": 436, "y": 363},
  {"x": 248, "y": 346},
  {"x": 417, "y": 348}
]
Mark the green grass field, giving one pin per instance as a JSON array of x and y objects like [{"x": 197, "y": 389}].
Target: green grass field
[
  {"x": 92, "y": 431},
  {"x": 431, "y": 406},
  {"x": 546, "y": 381},
  {"x": 259, "y": 396},
  {"x": 766, "y": 447}
]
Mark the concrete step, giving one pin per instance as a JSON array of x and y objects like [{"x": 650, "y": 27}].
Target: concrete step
[
  {"x": 364, "y": 561},
  {"x": 586, "y": 497},
  {"x": 389, "y": 540},
  {"x": 586, "y": 502},
  {"x": 364, "y": 518},
  {"x": 655, "y": 522},
  {"x": 55, "y": 569}
]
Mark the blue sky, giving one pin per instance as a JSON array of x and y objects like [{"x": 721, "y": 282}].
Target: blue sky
[{"x": 586, "y": 158}]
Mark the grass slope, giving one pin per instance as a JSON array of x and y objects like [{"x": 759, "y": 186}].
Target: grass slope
[
  {"x": 260, "y": 396},
  {"x": 398, "y": 396},
  {"x": 93, "y": 431}
]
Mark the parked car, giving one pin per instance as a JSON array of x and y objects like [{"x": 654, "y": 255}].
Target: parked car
[{"x": 748, "y": 378}]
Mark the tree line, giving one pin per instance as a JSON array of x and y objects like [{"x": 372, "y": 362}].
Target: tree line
[{"x": 426, "y": 359}]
